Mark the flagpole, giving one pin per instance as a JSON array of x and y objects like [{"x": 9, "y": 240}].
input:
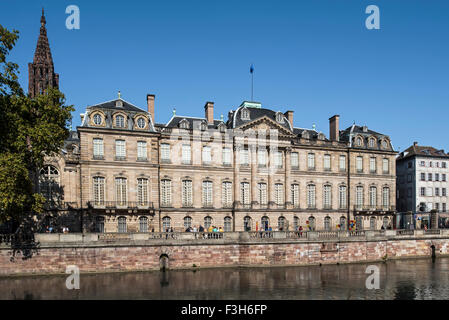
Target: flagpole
[{"x": 252, "y": 85}]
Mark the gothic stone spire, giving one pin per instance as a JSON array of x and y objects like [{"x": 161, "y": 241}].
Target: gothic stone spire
[{"x": 41, "y": 73}]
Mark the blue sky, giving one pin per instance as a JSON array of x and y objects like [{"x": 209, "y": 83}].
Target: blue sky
[{"x": 313, "y": 57}]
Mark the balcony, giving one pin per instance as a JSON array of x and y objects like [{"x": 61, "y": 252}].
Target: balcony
[
  {"x": 120, "y": 205},
  {"x": 374, "y": 209}
]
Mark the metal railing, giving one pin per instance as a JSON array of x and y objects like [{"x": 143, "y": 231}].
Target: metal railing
[
  {"x": 120, "y": 204},
  {"x": 374, "y": 208}
]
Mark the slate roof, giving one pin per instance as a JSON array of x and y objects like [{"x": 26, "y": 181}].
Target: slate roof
[
  {"x": 112, "y": 105},
  {"x": 425, "y": 151},
  {"x": 349, "y": 133},
  {"x": 312, "y": 133},
  {"x": 235, "y": 117},
  {"x": 193, "y": 121}
]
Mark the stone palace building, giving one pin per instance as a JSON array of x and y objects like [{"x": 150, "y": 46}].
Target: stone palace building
[{"x": 120, "y": 171}]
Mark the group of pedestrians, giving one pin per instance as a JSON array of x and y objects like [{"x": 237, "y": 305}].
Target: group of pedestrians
[{"x": 200, "y": 228}]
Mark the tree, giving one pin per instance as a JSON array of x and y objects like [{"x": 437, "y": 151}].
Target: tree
[{"x": 30, "y": 129}]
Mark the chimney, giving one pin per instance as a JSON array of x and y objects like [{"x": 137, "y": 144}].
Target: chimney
[
  {"x": 415, "y": 143},
  {"x": 209, "y": 111},
  {"x": 334, "y": 131},
  {"x": 150, "y": 104},
  {"x": 289, "y": 115}
]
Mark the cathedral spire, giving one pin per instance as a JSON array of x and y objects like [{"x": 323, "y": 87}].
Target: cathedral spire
[{"x": 41, "y": 73}]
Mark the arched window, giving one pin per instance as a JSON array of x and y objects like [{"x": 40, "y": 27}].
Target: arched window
[
  {"x": 184, "y": 124},
  {"x": 98, "y": 119},
  {"x": 295, "y": 223},
  {"x": 166, "y": 224},
  {"x": 203, "y": 126},
  {"x": 247, "y": 223},
  {"x": 49, "y": 183},
  {"x": 359, "y": 223},
  {"x": 265, "y": 223},
  {"x": 342, "y": 223},
  {"x": 372, "y": 223},
  {"x": 99, "y": 224},
  {"x": 221, "y": 127},
  {"x": 384, "y": 144},
  {"x": 279, "y": 117},
  {"x": 371, "y": 142},
  {"x": 245, "y": 114},
  {"x": 141, "y": 123},
  {"x": 187, "y": 222},
  {"x": 122, "y": 224},
  {"x": 207, "y": 222},
  {"x": 311, "y": 223},
  {"x": 120, "y": 121},
  {"x": 385, "y": 222},
  {"x": 327, "y": 223},
  {"x": 143, "y": 224},
  {"x": 281, "y": 224},
  {"x": 358, "y": 141},
  {"x": 227, "y": 224}
]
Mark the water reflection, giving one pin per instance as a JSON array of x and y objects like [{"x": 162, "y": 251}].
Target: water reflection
[{"x": 407, "y": 279}]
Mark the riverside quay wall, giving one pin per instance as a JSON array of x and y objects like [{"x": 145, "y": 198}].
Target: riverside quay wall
[{"x": 93, "y": 252}]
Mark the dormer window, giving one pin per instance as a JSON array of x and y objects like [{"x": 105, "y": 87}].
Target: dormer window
[
  {"x": 384, "y": 144},
  {"x": 184, "y": 124},
  {"x": 221, "y": 127},
  {"x": 321, "y": 136},
  {"x": 305, "y": 134},
  {"x": 141, "y": 123},
  {"x": 358, "y": 141},
  {"x": 371, "y": 142},
  {"x": 98, "y": 119},
  {"x": 279, "y": 117},
  {"x": 203, "y": 126},
  {"x": 120, "y": 121},
  {"x": 245, "y": 114}
]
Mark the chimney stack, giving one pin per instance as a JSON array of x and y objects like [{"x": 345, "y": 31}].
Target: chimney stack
[
  {"x": 150, "y": 104},
  {"x": 334, "y": 130},
  {"x": 209, "y": 111},
  {"x": 415, "y": 143},
  {"x": 289, "y": 115}
]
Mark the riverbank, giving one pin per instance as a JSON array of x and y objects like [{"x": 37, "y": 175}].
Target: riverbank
[{"x": 104, "y": 253}]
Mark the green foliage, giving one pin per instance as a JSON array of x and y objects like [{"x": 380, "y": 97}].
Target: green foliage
[{"x": 30, "y": 129}]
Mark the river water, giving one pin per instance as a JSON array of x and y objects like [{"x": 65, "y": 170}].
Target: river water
[{"x": 399, "y": 279}]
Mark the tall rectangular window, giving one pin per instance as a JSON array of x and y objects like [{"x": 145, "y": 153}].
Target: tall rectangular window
[
  {"x": 120, "y": 191},
  {"x": 342, "y": 197},
  {"x": 294, "y": 160},
  {"x": 311, "y": 161},
  {"x": 372, "y": 165},
  {"x": 443, "y": 192},
  {"x": 429, "y": 177},
  {"x": 165, "y": 152},
  {"x": 98, "y": 189},
  {"x": 207, "y": 193},
  {"x": 311, "y": 196},
  {"x": 142, "y": 191},
  {"x": 327, "y": 162},
  {"x": 207, "y": 156},
  {"x": 262, "y": 157},
  {"x": 98, "y": 148},
  {"x": 141, "y": 150},
  {"x": 166, "y": 193},
  {"x": 187, "y": 196},
  {"x": 342, "y": 163},
  {"x": 443, "y": 177},
  {"x": 278, "y": 159},
  {"x": 279, "y": 194},
  {"x": 226, "y": 156},
  {"x": 295, "y": 195},
  {"x": 423, "y": 177},
  {"x": 327, "y": 197},
  {"x": 262, "y": 188},
  {"x": 385, "y": 165},
  {"x": 244, "y": 157},
  {"x": 244, "y": 193},
  {"x": 359, "y": 164},
  {"x": 359, "y": 197},
  {"x": 120, "y": 149},
  {"x": 226, "y": 195},
  {"x": 373, "y": 197},
  {"x": 437, "y": 192},
  {"x": 437, "y": 177},
  {"x": 423, "y": 192},
  {"x": 186, "y": 154}
]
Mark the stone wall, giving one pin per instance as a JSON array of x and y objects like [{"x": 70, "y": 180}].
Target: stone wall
[{"x": 91, "y": 254}]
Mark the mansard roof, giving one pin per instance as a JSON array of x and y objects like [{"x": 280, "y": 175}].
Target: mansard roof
[
  {"x": 348, "y": 135},
  {"x": 175, "y": 120},
  {"x": 112, "y": 104},
  {"x": 422, "y": 151}
]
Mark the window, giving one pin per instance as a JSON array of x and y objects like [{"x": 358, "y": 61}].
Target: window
[
  {"x": 184, "y": 124},
  {"x": 166, "y": 193},
  {"x": 409, "y": 164},
  {"x": 359, "y": 197},
  {"x": 165, "y": 152},
  {"x": 98, "y": 148},
  {"x": 371, "y": 142},
  {"x": 342, "y": 163},
  {"x": 49, "y": 183},
  {"x": 373, "y": 197},
  {"x": 423, "y": 192},
  {"x": 142, "y": 191},
  {"x": 430, "y": 163},
  {"x": 281, "y": 223},
  {"x": 245, "y": 114},
  {"x": 207, "y": 222},
  {"x": 443, "y": 205},
  {"x": 244, "y": 193},
  {"x": 99, "y": 224},
  {"x": 203, "y": 126},
  {"x": 437, "y": 177},
  {"x": 327, "y": 162},
  {"x": 227, "y": 224},
  {"x": 437, "y": 206},
  {"x": 385, "y": 222},
  {"x": 443, "y": 165},
  {"x": 295, "y": 195},
  {"x": 342, "y": 196},
  {"x": 278, "y": 160},
  {"x": 295, "y": 223},
  {"x": 98, "y": 119},
  {"x": 166, "y": 224},
  {"x": 384, "y": 144},
  {"x": 120, "y": 149},
  {"x": 343, "y": 223},
  {"x": 422, "y": 163},
  {"x": 279, "y": 194},
  {"x": 262, "y": 188},
  {"x": 187, "y": 197},
  {"x": 186, "y": 154},
  {"x": 226, "y": 156},
  {"x": 247, "y": 223},
  {"x": 372, "y": 165},
  {"x": 120, "y": 191},
  {"x": 294, "y": 160},
  {"x": 359, "y": 164},
  {"x": 311, "y": 223},
  {"x": 386, "y": 198},
  {"x": 327, "y": 223},
  {"x": 279, "y": 117},
  {"x": 244, "y": 157},
  {"x": 262, "y": 157},
  {"x": 143, "y": 224},
  {"x": 98, "y": 189},
  {"x": 120, "y": 121},
  {"x": 423, "y": 177},
  {"x": 207, "y": 158},
  {"x": 327, "y": 197},
  {"x": 226, "y": 194},
  {"x": 187, "y": 222},
  {"x": 429, "y": 177},
  {"x": 443, "y": 177},
  {"x": 141, "y": 150},
  {"x": 311, "y": 196},
  {"x": 207, "y": 193},
  {"x": 358, "y": 142},
  {"x": 372, "y": 223},
  {"x": 437, "y": 192},
  {"x": 141, "y": 123},
  {"x": 359, "y": 223},
  {"x": 122, "y": 224},
  {"x": 265, "y": 223},
  {"x": 385, "y": 165},
  {"x": 311, "y": 161},
  {"x": 443, "y": 192}
]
